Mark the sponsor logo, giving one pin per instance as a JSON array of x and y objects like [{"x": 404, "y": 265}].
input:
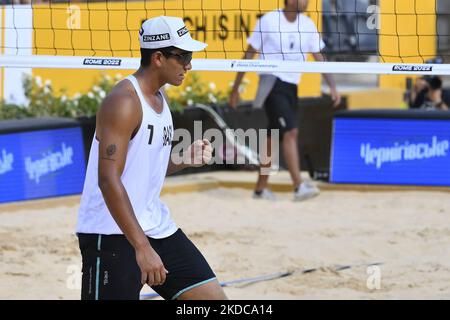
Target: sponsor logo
[
  {"x": 6, "y": 161},
  {"x": 405, "y": 151},
  {"x": 156, "y": 37},
  {"x": 50, "y": 162},
  {"x": 167, "y": 136},
  {"x": 182, "y": 31},
  {"x": 102, "y": 62},
  {"x": 412, "y": 68},
  {"x": 255, "y": 65}
]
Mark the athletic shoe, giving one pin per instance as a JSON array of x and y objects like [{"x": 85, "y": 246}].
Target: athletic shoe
[
  {"x": 265, "y": 194},
  {"x": 306, "y": 191}
]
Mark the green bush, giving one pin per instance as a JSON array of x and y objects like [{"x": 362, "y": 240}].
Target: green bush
[
  {"x": 194, "y": 90},
  {"x": 44, "y": 102},
  {"x": 13, "y": 111}
]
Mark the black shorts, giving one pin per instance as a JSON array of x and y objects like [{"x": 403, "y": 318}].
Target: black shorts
[
  {"x": 110, "y": 270},
  {"x": 280, "y": 106}
]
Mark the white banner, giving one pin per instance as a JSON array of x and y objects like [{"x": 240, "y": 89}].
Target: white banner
[{"x": 264, "y": 66}]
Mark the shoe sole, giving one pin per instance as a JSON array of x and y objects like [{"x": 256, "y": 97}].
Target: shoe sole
[
  {"x": 306, "y": 197},
  {"x": 261, "y": 198}
]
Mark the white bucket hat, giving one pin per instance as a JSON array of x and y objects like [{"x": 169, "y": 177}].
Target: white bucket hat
[{"x": 162, "y": 32}]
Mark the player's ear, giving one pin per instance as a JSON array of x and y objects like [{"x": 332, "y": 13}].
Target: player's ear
[{"x": 157, "y": 58}]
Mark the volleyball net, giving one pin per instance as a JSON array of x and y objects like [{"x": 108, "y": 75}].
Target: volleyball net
[{"x": 360, "y": 36}]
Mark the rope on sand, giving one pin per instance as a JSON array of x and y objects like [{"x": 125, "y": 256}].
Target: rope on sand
[{"x": 278, "y": 275}]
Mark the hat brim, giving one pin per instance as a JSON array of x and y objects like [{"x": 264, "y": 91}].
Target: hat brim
[{"x": 191, "y": 45}]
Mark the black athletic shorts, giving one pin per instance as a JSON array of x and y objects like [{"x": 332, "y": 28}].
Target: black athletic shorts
[
  {"x": 280, "y": 106},
  {"x": 110, "y": 270}
]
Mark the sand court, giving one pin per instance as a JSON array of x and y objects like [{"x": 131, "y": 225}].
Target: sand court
[{"x": 406, "y": 230}]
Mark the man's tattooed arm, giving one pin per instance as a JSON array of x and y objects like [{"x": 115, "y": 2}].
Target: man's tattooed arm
[{"x": 110, "y": 151}]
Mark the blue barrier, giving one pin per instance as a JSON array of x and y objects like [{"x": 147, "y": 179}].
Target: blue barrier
[
  {"x": 41, "y": 163},
  {"x": 391, "y": 149}
]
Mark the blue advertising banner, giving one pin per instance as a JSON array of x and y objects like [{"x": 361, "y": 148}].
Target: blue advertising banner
[
  {"x": 391, "y": 151},
  {"x": 39, "y": 164}
]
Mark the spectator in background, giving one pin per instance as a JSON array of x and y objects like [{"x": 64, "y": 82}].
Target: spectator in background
[
  {"x": 284, "y": 34},
  {"x": 428, "y": 94},
  {"x": 347, "y": 11}
]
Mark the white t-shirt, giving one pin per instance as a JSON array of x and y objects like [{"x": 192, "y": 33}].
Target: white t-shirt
[{"x": 276, "y": 38}]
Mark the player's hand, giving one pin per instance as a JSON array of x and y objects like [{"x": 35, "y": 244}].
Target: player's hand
[
  {"x": 199, "y": 153},
  {"x": 234, "y": 99},
  {"x": 152, "y": 268},
  {"x": 336, "y": 97}
]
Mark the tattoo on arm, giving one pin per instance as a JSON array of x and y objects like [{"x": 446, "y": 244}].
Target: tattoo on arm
[{"x": 110, "y": 151}]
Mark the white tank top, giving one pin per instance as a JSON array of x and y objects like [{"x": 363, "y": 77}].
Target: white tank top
[{"x": 143, "y": 177}]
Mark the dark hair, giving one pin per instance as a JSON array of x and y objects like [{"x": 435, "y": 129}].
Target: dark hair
[
  {"x": 434, "y": 82},
  {"x": 146, "y": 55}
]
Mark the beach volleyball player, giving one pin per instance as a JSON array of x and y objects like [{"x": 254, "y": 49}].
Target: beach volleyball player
[{"x": 126, "y": 235}]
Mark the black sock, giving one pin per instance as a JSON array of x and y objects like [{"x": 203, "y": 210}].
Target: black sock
[{"x": 258, "y": 192}]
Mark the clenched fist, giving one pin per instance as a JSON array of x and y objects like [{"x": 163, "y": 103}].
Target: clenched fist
[{"x": 199, "y": 153}]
